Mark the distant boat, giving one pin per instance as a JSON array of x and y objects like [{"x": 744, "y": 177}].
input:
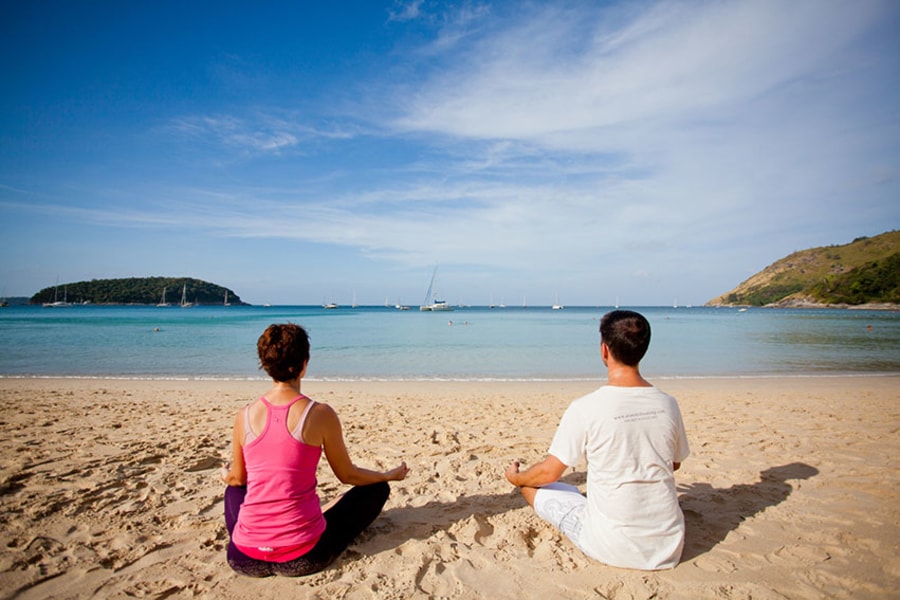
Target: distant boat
[
  {"x": 557, "y": 305},
  {"x": 163, "y": 301},
  {"x": 56, "y": 302},
  {"x": 398, "y": 306},
  {"x": 226, "y": 303},
  {"x": 431, "y": 302},
  {"x": 330, "y": 305},
  {"x": 184, "y": 302}
]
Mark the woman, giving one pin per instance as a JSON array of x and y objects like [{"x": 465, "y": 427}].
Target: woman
[{"x": 272, "y": 511}]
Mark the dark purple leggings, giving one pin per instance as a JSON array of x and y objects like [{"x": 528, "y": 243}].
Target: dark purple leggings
[{"x": 343, "y": 522}]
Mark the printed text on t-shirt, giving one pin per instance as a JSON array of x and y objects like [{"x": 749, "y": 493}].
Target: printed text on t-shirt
[{"x": 640, "y": 416}]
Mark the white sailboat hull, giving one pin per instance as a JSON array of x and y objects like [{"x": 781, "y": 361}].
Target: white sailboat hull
[{"x": 431, "y": 303}]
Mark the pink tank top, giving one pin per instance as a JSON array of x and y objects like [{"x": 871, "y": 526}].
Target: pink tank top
[{"x": 281, "y": 518}]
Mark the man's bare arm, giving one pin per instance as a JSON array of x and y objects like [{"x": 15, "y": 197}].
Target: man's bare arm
[{"x": 540, "y": 474}]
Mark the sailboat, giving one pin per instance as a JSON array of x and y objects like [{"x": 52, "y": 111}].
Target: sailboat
[
  {"x": 184, "y": 302},
  {"x": 226, "y": 303},
  {"x": 431, "y": 302},
  {"x": 557, "y": 305},
  {"x": 56, "y": 302},
  {"x": 163, "y": 301}
]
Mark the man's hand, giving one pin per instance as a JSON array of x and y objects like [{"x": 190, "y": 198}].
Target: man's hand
[{"x": 512, "y": 473}]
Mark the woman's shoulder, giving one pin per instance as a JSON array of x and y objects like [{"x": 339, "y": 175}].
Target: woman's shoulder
[
  {"x": 321, "y": 408},
  {"x": 242, "y": 411},
  {"x": 322, "y": 414}
]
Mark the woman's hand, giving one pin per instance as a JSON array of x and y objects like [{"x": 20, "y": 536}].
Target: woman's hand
[
  {"x": 398, "y": 473},
  {"x": 231, "y": 476}
]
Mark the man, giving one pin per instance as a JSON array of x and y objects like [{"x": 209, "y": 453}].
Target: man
[{"x": 632, "y": 436}]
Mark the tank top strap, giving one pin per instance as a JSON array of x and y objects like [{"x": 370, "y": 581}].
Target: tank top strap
[
  {"x": 249, "y": 436},
  {"x": 280, "y": 407},
  {"x": 297, "y": 433}
]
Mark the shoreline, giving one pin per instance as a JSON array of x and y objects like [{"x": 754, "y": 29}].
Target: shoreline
[
  {"x": 110, "y": 488},
  {"x": 802, "y": 305},
  {"x": 790, "y": 304},
  {"x": 400, "y": 380}
]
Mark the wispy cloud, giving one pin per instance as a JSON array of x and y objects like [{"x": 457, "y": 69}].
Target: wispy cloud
[
  {"x": 258, "y": 137},
  {"x": 550, "y": 76},
  {"x": 707, "y": 107},
  {"x": 405, "y": 11}
]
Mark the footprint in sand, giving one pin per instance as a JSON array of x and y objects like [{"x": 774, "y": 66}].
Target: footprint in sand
[{"x": 715, "y": 564}]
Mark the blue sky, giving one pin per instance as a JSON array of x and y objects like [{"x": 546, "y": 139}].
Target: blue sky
[{"x": 298, "y": 152}]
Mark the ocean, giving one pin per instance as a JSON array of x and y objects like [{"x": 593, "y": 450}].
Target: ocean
[{"x": 477, "y": 343}]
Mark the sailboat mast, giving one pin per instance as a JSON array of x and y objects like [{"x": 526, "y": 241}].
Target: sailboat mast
[{"x": 429, "y": 295}]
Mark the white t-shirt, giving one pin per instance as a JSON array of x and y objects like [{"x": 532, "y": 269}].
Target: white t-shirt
[{"x": 630, "y": 436}]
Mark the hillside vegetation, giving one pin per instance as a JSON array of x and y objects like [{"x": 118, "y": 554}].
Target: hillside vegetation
[
  {"x": 865, "y": 271},
  {"x": 137, "y": 290}
]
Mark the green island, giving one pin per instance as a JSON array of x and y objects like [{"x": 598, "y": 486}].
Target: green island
[
  {"x": 138, "y": 290},
  {"x": 863, "y": 273}
]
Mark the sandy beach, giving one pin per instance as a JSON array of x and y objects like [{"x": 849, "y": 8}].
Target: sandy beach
[{"x": 109, "y": 488}]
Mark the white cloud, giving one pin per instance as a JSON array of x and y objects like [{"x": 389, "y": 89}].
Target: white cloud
[
  {"x": 711, "y": 106},
  {"x": 556, "y": 73},
  {"x": 260, "y": 136},
  {"x": 405, "y": 11}
]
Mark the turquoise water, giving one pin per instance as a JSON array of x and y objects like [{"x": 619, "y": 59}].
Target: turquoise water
[{"x": 481, "y": 344}]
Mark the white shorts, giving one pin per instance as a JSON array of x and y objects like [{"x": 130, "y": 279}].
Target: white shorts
[{"x": 561, "y": 505}]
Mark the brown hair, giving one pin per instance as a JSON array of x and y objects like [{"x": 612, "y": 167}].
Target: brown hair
[{"x": 283, "y": 351}]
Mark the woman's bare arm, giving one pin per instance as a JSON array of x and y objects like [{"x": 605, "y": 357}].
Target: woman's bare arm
[
  {"x": 328, "y": 427},
  {"x": 236, "y": 474}
]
